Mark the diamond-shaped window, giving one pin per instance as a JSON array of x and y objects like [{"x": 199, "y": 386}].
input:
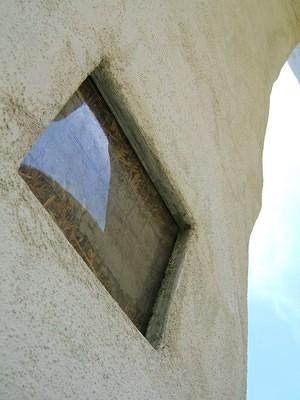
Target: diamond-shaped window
[{"x": 85, "y": 173}]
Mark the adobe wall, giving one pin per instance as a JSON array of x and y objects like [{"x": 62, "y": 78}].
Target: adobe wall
[{"x": 196, "y": 78}]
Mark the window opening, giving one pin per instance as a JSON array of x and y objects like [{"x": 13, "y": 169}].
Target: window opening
[{"x": 87, "y": 176}]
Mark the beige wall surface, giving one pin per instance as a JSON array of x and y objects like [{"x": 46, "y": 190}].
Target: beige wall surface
[{"x": 192, "y": 80}]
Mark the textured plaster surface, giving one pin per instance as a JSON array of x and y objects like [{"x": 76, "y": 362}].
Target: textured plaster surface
[{"x": 196, "y": 76}]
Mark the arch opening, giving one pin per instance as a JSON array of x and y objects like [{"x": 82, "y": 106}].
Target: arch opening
[{"x": 274, "y": 250}]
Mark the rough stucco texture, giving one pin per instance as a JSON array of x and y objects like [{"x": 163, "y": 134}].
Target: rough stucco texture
[{"x": 196, "y": 75}]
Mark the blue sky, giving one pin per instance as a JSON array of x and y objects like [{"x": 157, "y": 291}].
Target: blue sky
[{"x": 274, "y": 255}]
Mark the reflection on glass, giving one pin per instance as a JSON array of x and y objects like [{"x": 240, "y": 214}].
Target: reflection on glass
[
  {"x": 87, "y": 176},
  {"x": 73, "y": 151}
]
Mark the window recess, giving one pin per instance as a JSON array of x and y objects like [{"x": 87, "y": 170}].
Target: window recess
[{"x": 85, "y": 173}]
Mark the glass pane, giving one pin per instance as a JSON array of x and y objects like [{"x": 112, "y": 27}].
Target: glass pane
[{"x": 85, "y": 173}]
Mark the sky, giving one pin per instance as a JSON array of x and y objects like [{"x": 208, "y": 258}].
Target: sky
[{"x": 274, "y": 255}]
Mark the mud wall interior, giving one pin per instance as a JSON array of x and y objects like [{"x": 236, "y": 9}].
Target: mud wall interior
[{"x": 191, "y": 80}]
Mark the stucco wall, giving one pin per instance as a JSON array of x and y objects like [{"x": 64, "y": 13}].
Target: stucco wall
[{"x": 196, "y": 77}]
